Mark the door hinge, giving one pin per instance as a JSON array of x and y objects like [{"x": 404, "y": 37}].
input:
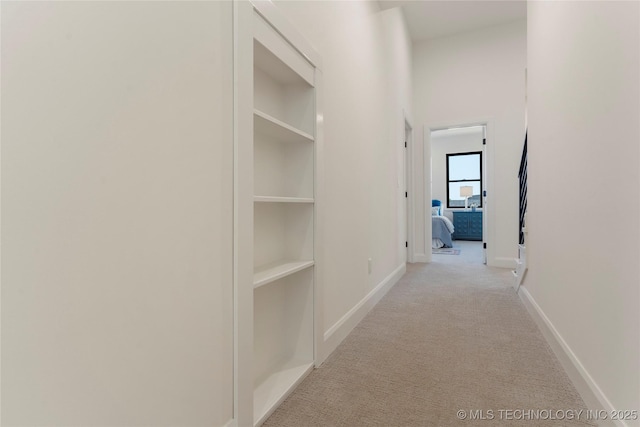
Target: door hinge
[
  {"x": 406, "y": 194},
  {"x": 484, "y": 141},
  {"x": 484, "y": 193},
  {"x": 406, "y": 244},
  {"x": 405, "y": 144},
  {"x": 484, "y": 246}
]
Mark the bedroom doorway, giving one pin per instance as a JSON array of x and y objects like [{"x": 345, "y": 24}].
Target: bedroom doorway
[{"x": 458, "y": 192}]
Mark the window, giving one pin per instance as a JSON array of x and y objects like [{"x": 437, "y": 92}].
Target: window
[{"x": 464, "y": 169}]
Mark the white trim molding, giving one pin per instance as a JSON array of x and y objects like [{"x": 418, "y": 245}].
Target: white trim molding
[
  {"x": 409, "y": 214},
  {"x": 271, "y": 14},
  {"x": 426, "y": 193},
  {"x": 592, "y": 395},
  {"x": 339, "y": 331},
  {"x": 231, "y": 423}
]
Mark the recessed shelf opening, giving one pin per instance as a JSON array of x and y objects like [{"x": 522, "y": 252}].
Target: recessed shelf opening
[
  {"x": 283, "y": 337},
  {"x": 281, "y": 93},
  {"x": 282, "y": 169}
]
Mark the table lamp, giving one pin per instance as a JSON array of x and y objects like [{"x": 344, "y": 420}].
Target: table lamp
[{"x": 466, "y": 191}]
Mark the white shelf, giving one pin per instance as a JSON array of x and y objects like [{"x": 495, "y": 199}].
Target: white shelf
[
  {"x": 272, "y": 391},
  {"x": 277, "y": 270},
  {"x": 278, "y": 199},
  {"x": 268, "y": 125}
]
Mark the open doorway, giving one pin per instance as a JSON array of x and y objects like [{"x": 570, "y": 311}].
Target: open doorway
[{"x": 458, "y": 189}]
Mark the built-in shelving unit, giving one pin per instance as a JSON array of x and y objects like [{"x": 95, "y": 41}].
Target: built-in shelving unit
[{"x": 284, "y": 146}]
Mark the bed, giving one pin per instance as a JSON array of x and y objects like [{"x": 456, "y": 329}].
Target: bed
[{"x": 441, "y": 227}]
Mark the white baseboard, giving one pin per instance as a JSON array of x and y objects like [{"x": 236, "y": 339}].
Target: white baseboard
[
  {"x": 339, "y": 331},
  {"x": 592, "y": 395}
]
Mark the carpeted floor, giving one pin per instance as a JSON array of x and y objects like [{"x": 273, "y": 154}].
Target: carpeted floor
[
  {"x": 448, "y": 337},
  {"x": 469, "y": 253}
]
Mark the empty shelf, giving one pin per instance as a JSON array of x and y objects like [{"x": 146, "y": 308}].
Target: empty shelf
[
  {"x": 278, "y": 199},
  {"x": 265, "y": 124},
  {"x": 272, "y": 391},
  {"x": 274, "y": 271}
]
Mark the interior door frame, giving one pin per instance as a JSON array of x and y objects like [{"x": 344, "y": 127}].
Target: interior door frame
[
  {"x": 408, "y": 177},
  {"x": 488, "y": 220},
  {"x": 483, "y": 194}
]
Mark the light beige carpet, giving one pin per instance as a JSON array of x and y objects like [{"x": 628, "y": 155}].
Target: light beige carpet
[{"x": 447, "y": 337}]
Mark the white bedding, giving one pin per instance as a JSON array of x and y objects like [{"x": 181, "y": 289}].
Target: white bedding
[
  {"x": 448, "y": 223},
  {"x": 442, "y": 229}
]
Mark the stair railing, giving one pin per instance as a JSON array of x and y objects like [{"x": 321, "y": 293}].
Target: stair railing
[{"x": 522, "y": 176}]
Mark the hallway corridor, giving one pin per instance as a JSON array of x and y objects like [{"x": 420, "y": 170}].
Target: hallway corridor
[{"x": 448, "y": 337}]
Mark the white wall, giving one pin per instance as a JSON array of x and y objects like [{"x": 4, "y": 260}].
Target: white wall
[
  {"x": 116, "y": 213},
  {"x": 583, "y": 112},
  {"x": 448, "y": 142},
  {"x": 366, "y": 58},
  {"x": 473, "y": 77}
]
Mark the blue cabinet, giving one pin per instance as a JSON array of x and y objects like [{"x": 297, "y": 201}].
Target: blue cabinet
[{"x": 467, "y": 225}]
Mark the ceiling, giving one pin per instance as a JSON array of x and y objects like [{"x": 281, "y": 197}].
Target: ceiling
[{"x": 428, "y": 19}]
